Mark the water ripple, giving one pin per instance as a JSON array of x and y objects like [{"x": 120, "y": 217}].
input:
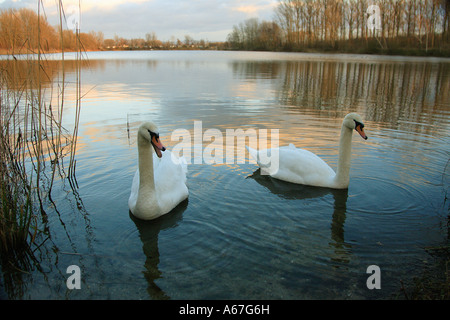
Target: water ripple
[{"x": 386, "y": 197}]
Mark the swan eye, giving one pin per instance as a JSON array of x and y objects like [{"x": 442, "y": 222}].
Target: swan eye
[
  {"x": 357, "y": 123},
  {"x": 152, "y": 134}
]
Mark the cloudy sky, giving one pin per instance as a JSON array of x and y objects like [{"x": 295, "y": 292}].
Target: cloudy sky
[{"x": 170, "y": 19}]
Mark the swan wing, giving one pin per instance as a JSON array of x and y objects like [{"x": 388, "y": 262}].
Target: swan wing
[
  {"x": 297, "y": 166},
  {"x": 303, "y": 167},
  {"x": 170, "y": 181}
]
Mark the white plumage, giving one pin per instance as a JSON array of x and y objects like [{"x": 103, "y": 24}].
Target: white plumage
[
  {"x": 304, "y": 167},
  {"x": 159, "y": 183}
]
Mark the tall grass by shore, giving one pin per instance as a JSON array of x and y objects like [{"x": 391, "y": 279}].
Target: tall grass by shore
[{"x": 33, "y": 144}]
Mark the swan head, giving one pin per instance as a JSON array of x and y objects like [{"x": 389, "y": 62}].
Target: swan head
[
  {"x": 150, "y": 132},
  {"x": 354, "y": 121}
]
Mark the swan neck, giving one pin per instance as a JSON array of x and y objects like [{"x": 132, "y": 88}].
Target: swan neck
[
  {"x": 345, "y": 152},
  {"x": 146, "y": 177}
]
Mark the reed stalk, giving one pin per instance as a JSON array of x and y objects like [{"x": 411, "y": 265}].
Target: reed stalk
[{"x": 33, "y": 143}]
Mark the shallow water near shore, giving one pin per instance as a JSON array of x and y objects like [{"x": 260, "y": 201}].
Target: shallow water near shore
[{"x": 240, "y": 234}]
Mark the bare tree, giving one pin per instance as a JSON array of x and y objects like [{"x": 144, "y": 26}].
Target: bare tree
[{"x": 313, "y": 23}]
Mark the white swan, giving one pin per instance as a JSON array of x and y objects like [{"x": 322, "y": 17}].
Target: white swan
[
  {"x": 304, "y": 167},
  {"x": 159, "y": 184}
]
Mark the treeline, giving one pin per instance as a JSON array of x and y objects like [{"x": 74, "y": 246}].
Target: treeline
[
  {"x": 403, "y": 27},
  {"x": 19, "y": 33},
  {"x": 255, "y": 35},
  {"x": 348, "y": 26},
  {"x": 151, "y": 42},
  {"x": 22, "y": 30}
]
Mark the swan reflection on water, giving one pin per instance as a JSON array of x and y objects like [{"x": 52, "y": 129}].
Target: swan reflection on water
[
  {"x": 149, "y": 231},
  {"x": 149, "y": 234},
  {"x": 294, "y": 191}
]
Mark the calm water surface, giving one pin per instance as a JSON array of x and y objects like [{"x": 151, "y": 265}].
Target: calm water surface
[{"x": 242, "y": 235}]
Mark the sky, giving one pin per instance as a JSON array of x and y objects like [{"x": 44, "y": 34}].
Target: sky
[{"x": 210, "y": 20}]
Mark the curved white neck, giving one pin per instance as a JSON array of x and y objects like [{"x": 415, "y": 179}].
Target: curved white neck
[
  {"x": 342, "y": 177},
  {"x": 146, "y": 177}
]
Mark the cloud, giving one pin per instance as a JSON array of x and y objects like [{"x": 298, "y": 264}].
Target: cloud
[
  {"x": 254, "y": 10},
  {"x": 95, "y": 5},
  {"x": 211, "y": 20}
]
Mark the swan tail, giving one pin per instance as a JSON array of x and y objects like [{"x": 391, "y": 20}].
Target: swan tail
[
  {"x": 183, "y": 163},
  {"x": 253, "y": 153},
  {"x": 261, "y": 157}
]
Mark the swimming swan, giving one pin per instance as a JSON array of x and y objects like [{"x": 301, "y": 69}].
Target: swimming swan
[
  {"x": 303, "y": 167},
  {"x": 159, "y": 184}
]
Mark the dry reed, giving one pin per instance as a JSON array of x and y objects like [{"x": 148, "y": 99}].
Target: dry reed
[{"x": 33, "y": 142}]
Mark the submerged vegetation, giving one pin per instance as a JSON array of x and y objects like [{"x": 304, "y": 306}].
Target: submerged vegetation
[
  {"x": 33, "y": 144},
  {"x": 434, "y": 282}
]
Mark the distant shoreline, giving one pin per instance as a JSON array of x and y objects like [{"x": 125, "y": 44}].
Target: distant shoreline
[{"x": 311, "y": 52}]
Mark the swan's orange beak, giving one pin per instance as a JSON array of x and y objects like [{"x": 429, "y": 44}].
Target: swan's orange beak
[
  {"x": 158, "y": 146},
  {"x": 361, "y": 132}
]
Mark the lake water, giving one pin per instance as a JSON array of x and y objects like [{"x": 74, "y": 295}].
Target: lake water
[{"x": 243, "y": 235}]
